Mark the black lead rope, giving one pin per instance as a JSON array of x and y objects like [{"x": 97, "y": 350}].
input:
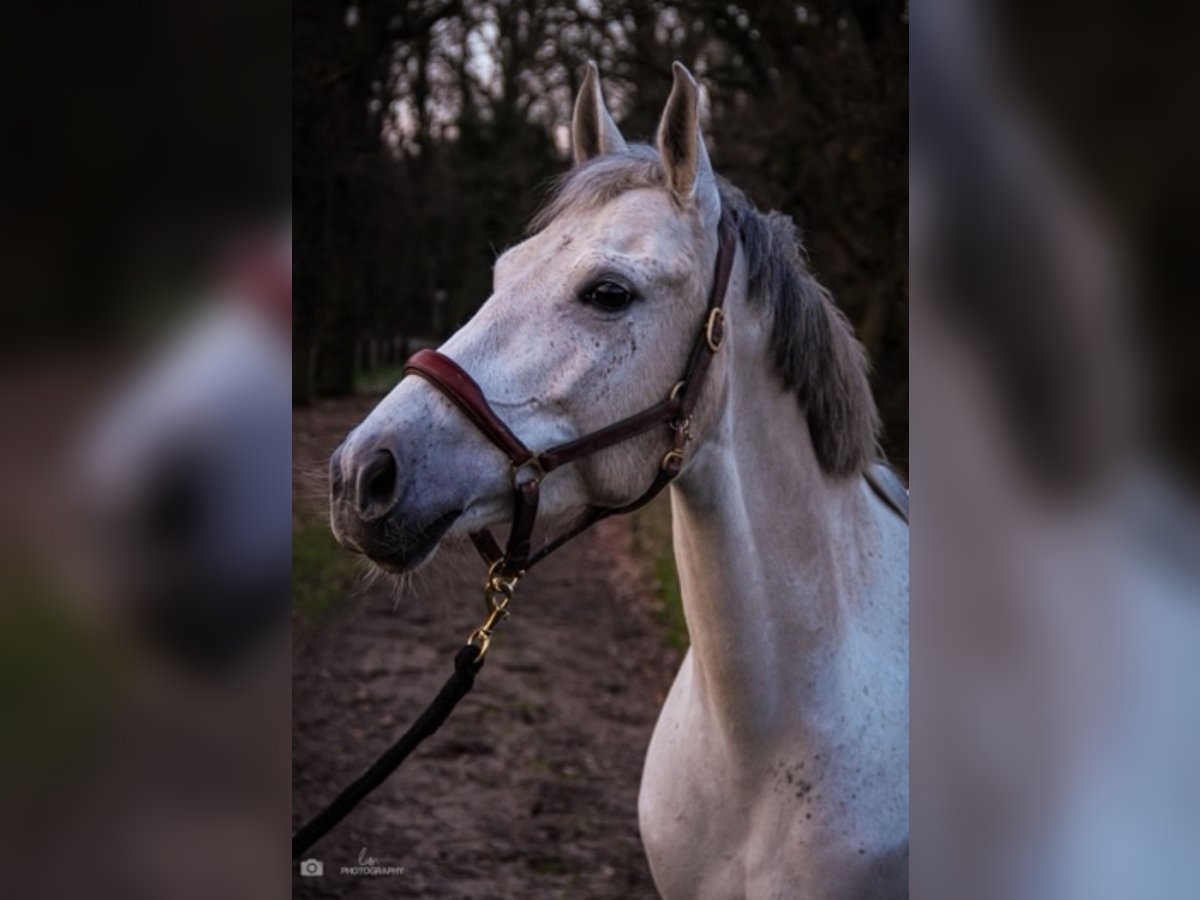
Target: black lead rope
[{"x": 466, "y": 665}]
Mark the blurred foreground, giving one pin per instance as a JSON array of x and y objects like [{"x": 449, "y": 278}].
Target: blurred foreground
[
  {"x": 1056, "y": 613},
  {"x": 146, "y": 585},
  {"x": 145, "y": 388}
]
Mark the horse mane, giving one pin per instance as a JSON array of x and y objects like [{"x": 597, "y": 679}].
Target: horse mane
[{"x": 812, "y": 345}]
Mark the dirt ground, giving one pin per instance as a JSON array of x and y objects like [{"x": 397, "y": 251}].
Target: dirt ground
[{"x": 530, "y": 789}]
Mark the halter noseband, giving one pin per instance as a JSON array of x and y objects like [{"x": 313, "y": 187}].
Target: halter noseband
[{"x": 530, "y": 467}]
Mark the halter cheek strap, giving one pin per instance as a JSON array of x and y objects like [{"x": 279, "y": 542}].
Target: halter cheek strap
[{"x": 530, "y": 467}]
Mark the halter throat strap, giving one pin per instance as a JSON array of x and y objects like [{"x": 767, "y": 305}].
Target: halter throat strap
[{"x": 530, "y": 467}]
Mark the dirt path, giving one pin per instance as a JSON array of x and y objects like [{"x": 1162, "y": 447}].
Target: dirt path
[{"x": 530, "y": 789}]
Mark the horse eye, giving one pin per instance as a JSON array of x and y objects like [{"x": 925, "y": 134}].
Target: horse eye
[{"x": 608, "y": 295}]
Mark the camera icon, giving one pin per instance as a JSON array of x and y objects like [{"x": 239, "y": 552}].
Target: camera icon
[{"x": 311, "y": 868}]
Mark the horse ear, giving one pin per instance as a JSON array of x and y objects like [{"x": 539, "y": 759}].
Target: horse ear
[
  {"x": 593, "y": 131},
  {"x": 681, "y": 146}
]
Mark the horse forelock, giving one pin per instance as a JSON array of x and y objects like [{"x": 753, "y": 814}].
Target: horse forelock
[
  {"x": 812, "y": 346},
  {"x": 599, "y": 180}
]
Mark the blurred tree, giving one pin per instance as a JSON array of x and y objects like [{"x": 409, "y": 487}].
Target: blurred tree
[{"x": 425, "y": 130}]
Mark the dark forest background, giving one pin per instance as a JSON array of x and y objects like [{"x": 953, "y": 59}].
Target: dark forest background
[{"x": 425, "y": 131}]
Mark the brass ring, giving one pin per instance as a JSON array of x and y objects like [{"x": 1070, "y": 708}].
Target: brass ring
[
  {"x": 714, "y": 340},
  {"x": 499, "y": 586},
  {"x": 676, "y": 455},
  {"x": 677, "y": 390},
  {"x": 493, "y": 573},
  {"x": 534, "y": 462}
]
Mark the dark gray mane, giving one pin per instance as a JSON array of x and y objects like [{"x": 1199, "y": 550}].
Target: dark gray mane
[{"x": 813, "y": 348}]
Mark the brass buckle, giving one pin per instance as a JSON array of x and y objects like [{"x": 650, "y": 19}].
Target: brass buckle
[
  {"x": 713, "y": 339},
  {"x": 497, "y": 594},
  {"x": 682, "y": 425},
  {"x": 534, "y": 462}
]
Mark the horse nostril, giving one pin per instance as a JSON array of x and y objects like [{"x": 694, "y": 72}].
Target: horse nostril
[
  {"x": 175, "y": 507},
  {"x": 377, "y": 483}
]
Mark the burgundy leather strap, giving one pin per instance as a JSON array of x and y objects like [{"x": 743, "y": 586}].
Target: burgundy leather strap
[
  {"x": 609, "y": 435},
  {"x": 449, "y": 378},
  {"x": 675, "y": 411}
]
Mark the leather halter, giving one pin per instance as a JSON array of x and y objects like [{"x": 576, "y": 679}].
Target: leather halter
[{"x": 530, "y": 467}]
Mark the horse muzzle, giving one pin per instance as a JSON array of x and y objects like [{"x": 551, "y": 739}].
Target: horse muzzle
[{"x": 370, "y": 510}]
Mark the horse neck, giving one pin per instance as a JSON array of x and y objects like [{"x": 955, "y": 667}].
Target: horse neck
[{"x": 771, "y": 557}]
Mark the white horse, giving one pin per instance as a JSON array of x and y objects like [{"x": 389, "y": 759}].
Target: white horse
[
  {"x": 779, "y": 765},
  {"x": 182, "y": 479}
]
